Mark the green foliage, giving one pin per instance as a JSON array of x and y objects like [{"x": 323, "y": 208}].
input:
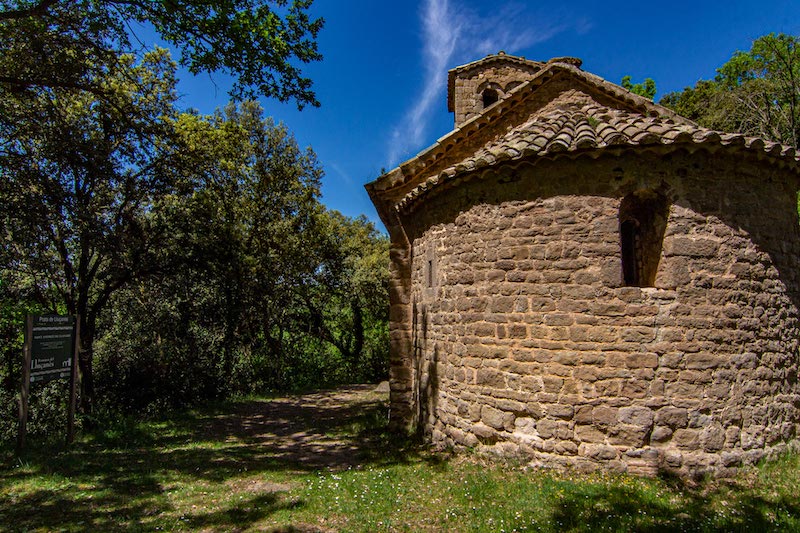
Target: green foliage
[
  {"x": 73, "y": 43},
  {"x": 266, "y": 289},
  {"x": 646, "y": 89},
  {"x": 82, "y": 180},
  {"x": 755, "y": 92},
  {"x": 194, "y": 249},
  {"x": 345, "y": 306}
]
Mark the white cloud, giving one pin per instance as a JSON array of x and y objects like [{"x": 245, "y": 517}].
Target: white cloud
[
  {"x": 454, "y": 34},
  {"x": 442, "y": 29}
]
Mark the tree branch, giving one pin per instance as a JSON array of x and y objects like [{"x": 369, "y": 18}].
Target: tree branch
[{"x": 37, "y": 10}]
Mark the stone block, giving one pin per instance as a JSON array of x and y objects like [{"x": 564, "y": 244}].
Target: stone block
[
  {"x": 485, "y": 434},
  {"x": 673, "y": 459},
  {"x": 604, "y": 416},
  {"x": 712, "y": 438},
  {"x": 546, "y": 428},
  {"x": 702, "y": 361},
  {"x": 600, "y": 452},
  {"x": 639, "y": 416},
  {"x": 583, "y": 414},
  {"x": 673, "y": 417},
  {"x": 552, "y": 384},
  {"x": 691, "y": 247},
  {"x": 558, "y": 319},
  {"x": 489, "y": 377},
  {"x": 634, "y": 388},
  {"x": 585, "y": 373},
  {"x": 585, "y": 433},
  {"x": 686, "y": 439},
  {"x": 562, "y": 411},
  {"x": 566, "y": 447},
  {"x": 660, "y": 434},
  {"x": 628, "y": 435}
]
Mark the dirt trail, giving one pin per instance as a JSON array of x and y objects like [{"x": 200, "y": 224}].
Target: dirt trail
[{"x": 324, "y": 429}]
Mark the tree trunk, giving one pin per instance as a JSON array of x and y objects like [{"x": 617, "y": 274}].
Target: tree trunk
[
  {"x": 358, "y": 335},
  {"x": 85, "y": 360}
]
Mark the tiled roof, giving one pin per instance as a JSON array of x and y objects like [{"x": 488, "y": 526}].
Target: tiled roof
[{"x": 575, "y": 124}]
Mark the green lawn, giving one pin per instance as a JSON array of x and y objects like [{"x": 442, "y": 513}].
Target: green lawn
[{"x": 324, "y": 462}]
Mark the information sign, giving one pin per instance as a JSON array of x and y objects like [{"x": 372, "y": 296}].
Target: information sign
[
  {"x": 50, "y": 352},
  {"x": 52, "y": 344}
]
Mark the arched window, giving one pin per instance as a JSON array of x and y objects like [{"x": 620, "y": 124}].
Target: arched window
[
  {"x": 490, "y": 96},
  {"x": 642, "y": 222}
]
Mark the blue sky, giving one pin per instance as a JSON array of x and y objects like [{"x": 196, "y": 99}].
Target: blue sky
[{"x": 382, "y": 82}]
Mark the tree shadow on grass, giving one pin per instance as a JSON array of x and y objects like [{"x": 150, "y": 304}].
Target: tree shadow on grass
[
  {"x": 123, "y": 468},
  {"x": 122, "y": 479},
  {"x": 245, "y": 512},
  {"x": 616, "y": 507},
  {"x": 47, "y": 509}
]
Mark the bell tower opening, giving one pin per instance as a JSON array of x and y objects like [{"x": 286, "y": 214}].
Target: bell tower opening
[{"x": 489, "y": 97}]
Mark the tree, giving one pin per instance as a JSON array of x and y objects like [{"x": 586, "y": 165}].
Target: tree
[
  {"x": 646, "y": 89},
  {"x": 257, "y": 207},
  {"x": 70, "y": 43},
  {"x": 81, "y": 182},
  {"x": 755, "y": 92},
  {"x": 238, "y": 248},
  {"x": 269, "y": 290},
  {"x": 345, "y": 304}
]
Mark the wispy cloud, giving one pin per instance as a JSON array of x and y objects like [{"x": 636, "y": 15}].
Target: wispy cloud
[
  {"x": 453, "y": 33},
  {"x": 442, "y": 29}
]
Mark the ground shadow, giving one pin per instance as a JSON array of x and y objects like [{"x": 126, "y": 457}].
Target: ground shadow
[{"x": 326, "y": 430}]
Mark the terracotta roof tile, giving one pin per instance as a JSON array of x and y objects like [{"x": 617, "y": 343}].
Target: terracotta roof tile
[{"x": 577, "y": 124}]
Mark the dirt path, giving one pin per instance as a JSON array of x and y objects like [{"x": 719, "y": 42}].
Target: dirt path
[{"x": 325, "y": 429}]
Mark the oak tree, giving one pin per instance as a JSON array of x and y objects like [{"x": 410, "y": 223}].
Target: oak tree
[{"x": 755, "y": 92}]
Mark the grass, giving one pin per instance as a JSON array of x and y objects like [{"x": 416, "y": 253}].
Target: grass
[{"x": 324, "y": 462}]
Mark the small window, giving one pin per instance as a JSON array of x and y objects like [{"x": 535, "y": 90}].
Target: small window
[
  {"x": 490, "y": 96},
  {"x": 642, "y": 222},
  {"x": 430, "y": 273},
  {"x": 631, "y": 243}
]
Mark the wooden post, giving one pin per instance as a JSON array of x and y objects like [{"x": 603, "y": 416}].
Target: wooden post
[
  {"x": 73, "y": 381},
  {"x": 26, "y": 383}
]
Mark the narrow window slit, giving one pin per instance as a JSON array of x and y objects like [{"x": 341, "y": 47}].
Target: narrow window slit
[{"x": 642, "y": 222}]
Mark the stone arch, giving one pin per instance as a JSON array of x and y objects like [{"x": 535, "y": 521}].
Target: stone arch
[{"x": 489, "y": 93}]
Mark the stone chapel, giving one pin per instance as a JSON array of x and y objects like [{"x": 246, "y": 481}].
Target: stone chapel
[{"x": 586, "y": 278}]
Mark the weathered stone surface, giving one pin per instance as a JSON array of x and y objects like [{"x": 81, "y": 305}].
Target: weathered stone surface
[
  {"x": 589, "y": 434},
  {"x": 598, "y": 451},
  {"x": 661, "y": 434},
  {"x": 674, "y": 417},
  {"x": 639, "y": 416}
]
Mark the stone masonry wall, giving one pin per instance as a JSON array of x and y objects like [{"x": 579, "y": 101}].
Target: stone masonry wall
[{"x": 524, "y": 339}]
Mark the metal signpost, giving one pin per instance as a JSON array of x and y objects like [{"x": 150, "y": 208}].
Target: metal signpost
[{"x": 51, "y": 345}]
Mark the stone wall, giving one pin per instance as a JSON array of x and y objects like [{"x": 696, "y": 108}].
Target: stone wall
[{"x": 522, "y": 338}]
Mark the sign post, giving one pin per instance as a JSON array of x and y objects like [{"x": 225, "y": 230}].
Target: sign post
[
  {"x": 73, "y": 381},
  {"x": 52, "y": 343},
  {"x": 26, "y": 383}
]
